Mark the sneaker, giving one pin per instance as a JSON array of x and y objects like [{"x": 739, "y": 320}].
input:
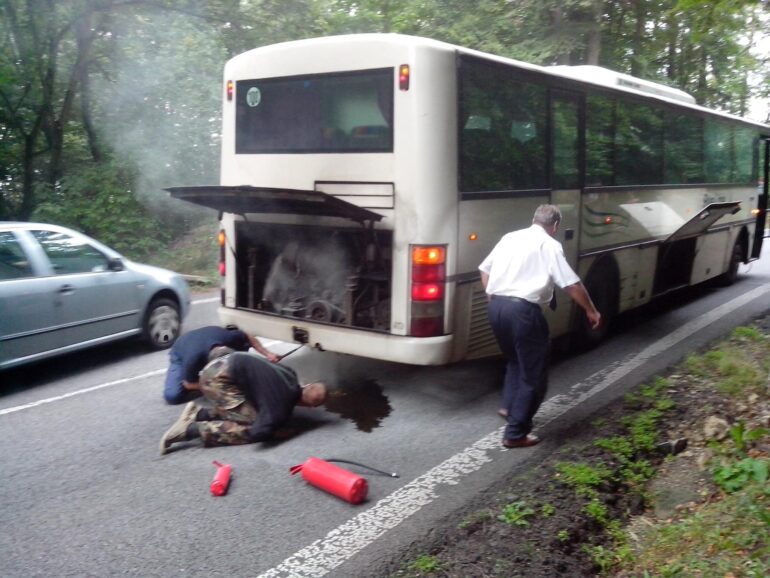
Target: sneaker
[{"x": 178, "y": 431}]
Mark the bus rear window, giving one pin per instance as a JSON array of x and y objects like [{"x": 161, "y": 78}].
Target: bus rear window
[{"x": 349, "y": 112}]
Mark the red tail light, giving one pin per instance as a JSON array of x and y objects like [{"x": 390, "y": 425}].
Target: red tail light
[
  {"x": 428, "y": 287},
  {"x": 230, "y": 90}
]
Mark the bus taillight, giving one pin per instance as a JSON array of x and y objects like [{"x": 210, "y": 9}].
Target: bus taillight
[
  {"x": 221, "y": 240},
  {"x": 428, "y": 283},
  {"x": 403, "y": 77},
  {"x": 230, "y": 90}
]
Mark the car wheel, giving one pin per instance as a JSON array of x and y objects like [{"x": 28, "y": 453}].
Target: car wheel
[{"x": 161, "y": 323}]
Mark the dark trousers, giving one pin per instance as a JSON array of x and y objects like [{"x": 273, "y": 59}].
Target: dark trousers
[
  {"x": 174, "y": 392},
  {"x": 522, "y": 334}
]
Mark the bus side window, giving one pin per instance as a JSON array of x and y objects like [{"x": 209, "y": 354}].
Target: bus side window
[{"x": 478, "y": 170}]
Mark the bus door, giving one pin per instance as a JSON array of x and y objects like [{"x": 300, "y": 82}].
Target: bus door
[
  {"x": 566, "y": 119},
  {"x": 678, "y": 251},
  {"x": 762, "y": 194}
]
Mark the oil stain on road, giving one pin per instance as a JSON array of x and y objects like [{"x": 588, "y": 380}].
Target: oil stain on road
[{"x": 360, "y": 401}]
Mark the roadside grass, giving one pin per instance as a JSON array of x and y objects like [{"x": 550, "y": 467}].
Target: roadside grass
[
  {"x": 425, "y": 564},
  {"x": 195, "y": 255},
  {"x": 726, "y": 534},
  {"x": 729, "y": 534}
]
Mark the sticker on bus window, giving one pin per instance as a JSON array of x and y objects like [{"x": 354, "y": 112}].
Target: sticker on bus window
[{"x": 253, "y": 97}]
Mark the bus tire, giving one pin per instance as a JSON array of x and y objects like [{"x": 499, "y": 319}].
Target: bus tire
[
  {"x": 736, "y": 258},
  {"x": 602, "y": 285},
  {"x": 161, "y": 325}
]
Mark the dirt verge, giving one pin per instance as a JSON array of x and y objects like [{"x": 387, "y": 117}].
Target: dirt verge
[{"x": 550, "y": 522}]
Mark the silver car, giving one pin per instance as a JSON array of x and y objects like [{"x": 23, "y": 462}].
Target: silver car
[{"x": 61, "y": 291}]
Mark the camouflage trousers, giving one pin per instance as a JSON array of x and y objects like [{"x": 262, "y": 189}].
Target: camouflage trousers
[{"x": 230, "y": 413}]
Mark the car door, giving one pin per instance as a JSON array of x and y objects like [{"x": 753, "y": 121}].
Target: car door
[
  {"x": 93, "y": 299},
  {"x": 28, "y": 316}
]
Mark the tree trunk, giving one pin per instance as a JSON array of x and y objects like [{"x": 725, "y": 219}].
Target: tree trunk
[
  {"x": 557, "y": 23},
  {"x": 85, "y": 36},
  {"x": 639, "y": 37},
  {"x": 594, "y": 39}
]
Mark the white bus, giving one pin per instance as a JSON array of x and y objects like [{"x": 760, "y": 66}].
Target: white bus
[{"x": 365, "y": 177}]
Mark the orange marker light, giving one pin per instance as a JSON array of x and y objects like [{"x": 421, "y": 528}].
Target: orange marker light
[
  {"x": 473, "y": 237},
  {"x": 428, "y": 255},
  {"x": 221, "y": 239},
  {"x": 403, "y": 77}
]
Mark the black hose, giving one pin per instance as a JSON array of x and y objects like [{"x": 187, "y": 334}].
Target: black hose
[
  {"x": 280, "y": 357},
  {"x": 341, "y": 461}
]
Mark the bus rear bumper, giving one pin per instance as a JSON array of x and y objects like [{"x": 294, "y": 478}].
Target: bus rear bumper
[{"x": 341, "y": 339}]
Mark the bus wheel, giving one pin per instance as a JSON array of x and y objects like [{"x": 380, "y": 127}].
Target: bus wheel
[
  {"x": 602, "y": 286},
  {"x": 736, "y": 258},
  {"x": 161, "y": 324}
]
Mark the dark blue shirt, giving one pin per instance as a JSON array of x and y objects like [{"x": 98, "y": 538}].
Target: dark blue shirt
[{"x": 194, "y": 346}]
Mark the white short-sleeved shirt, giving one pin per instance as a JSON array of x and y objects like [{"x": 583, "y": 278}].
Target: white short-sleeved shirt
[{"x": 527, "y": 264}]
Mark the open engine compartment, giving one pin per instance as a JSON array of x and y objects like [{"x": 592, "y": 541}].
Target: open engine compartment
[{"x": 332, "y": 275}]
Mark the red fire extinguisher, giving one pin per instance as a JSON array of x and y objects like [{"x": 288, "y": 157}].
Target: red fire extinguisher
[
  {"x": 221, "y": 480},
  {"x": 333, "y": 479}
]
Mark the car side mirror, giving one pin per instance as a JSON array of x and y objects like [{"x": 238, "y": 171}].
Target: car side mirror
[{"x": 115, "y": 264}]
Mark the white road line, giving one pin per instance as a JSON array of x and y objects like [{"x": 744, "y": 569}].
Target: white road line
[
  {"x": 81, "y": 391},
  {"x": 339, "y": 545},
  {"x": 206, "y": 300}
]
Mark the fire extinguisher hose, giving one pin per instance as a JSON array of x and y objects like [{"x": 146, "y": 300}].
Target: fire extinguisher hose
[{"x": 341, "y": 461}]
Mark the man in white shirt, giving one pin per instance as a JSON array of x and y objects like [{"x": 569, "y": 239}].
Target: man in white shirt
[{"x": 519, "y": 276}]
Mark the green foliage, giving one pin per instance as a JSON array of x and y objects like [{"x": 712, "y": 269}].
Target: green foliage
[
  {"x": 734, "y": 477},
  {"x": 99, "y": 202},
  {"x": 748, "y": 334},
  {"x": 643, "y": 429},
  {"x": 516, "y": 514},
  {"x": 730, "y": 364},
  {"x": 547, "y": 510},
  {"x": 604, "y": 558},
  {"x": 596, "y": 510},
  {"x": 742, "y": 437},
  {"x": 425, "y": 564},
  {"x": 637, "y": 472},
  {"x": 726, "y": 537},
  {"x": 584, "y": 478},
  {"x": 618, "y": 446}
]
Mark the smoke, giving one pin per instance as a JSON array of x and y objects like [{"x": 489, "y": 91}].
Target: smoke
[
  {"x": 310, "y": 275},
  {"x": 161, "y": 103}
]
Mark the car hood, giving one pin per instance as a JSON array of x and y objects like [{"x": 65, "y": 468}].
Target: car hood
[{"x": 151, "y": 270}]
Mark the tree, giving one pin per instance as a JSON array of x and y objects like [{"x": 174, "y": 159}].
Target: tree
[{"x": 45, "y": 55}]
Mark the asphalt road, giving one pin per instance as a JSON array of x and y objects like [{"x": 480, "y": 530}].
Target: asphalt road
[{"x": 84, "y": 492}]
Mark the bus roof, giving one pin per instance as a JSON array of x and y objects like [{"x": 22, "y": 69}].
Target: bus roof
[{"x": 584, "y": 74}]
